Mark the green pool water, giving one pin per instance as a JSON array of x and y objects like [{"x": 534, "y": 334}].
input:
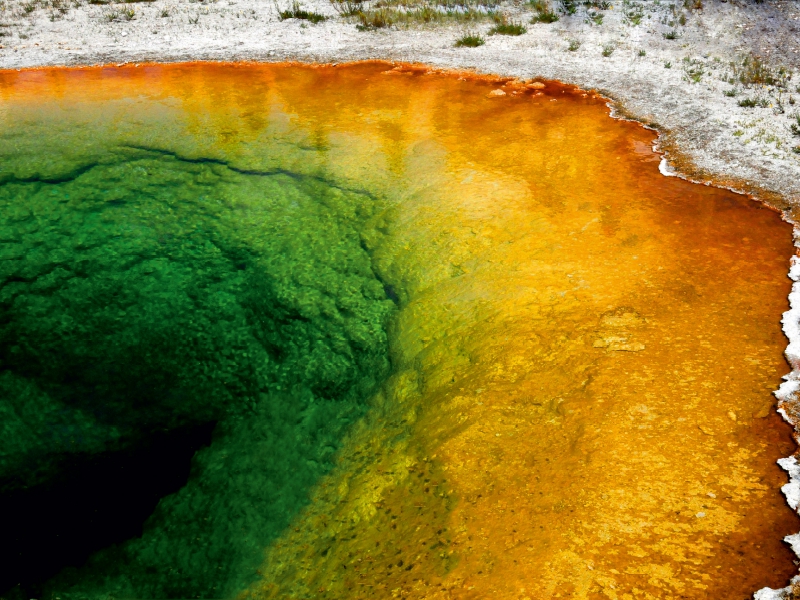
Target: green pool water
[{"x": 143, "y": 292}]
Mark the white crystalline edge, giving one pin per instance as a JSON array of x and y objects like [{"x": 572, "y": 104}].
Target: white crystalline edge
[
  {"x": 787, "y": 396},
  {"x": 770, "y": 594},
  {"x": 665, "y": 169},
  {"x": 792, "y": 489}
]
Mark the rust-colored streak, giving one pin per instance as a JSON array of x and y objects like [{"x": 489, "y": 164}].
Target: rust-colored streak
[{"x": 585, "y": 349}]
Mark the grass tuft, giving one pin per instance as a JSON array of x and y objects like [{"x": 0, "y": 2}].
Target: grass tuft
[
  {"x": 505, "y": 27},
  {"x": 347, "y": 8},
  {"x": 544, "y": 14},
  {"x": 470, "y": 40},
  {"x": 374, "y": 19},
  {"x": 573, "y": 45},
  {"x": 594, "y": 17},
  {"x": 752, "y": 70},
  {"x": 753, "y": 102},
  {"x": 508, "y": 29},
  {"x": 111, "y": 15},
  {"x": 693, "y": 70},
  {"x": 380, "y": 15},
  {"x": 671, "y": 35},
  {"x": 545, "y": 17},
  {"x": 569, "y": 7},
  {"x": 633, "y": 12},
  {"x": 608, "y": 49},
  {"x": 795, "y": 127},
  {"x": 295, "y": 12}
]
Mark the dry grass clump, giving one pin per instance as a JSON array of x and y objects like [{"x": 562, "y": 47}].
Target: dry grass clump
[
  {"x": 633, "y": 12},
  {"x": 470, "y": 40},
  {"x": 375, "y": 18},
  {"x": 377, "y": 14},
  {"x": 752, "y": 70},
  {"x": 795, "y": 127},
  {"x": 295, "y": 12},
  {"x": 544, "y": 12},
  {"x": 753, "y": 102},
  {"x": 503, "y": 26},
  {"x": 386, "y": 13},
  {"x": 693, "y": 70},
  {"x": 57, "y": 8}
]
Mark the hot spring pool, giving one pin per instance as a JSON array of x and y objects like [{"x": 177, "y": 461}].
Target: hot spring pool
[{"x": 423, "y": 339}]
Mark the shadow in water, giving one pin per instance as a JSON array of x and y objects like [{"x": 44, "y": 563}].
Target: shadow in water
[{"x": 96, "y": 502}]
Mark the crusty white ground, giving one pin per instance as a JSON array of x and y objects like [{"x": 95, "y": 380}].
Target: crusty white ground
[{"x": 749, "y": 147}]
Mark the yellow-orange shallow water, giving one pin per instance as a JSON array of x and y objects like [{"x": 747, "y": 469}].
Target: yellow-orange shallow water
[{"x": 583, "y": 355}]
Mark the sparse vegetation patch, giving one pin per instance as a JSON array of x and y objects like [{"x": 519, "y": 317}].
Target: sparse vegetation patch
[
  {"x": 386, "y": 13},
  {"x": 753, "y": 102},
  {"x": 633, "y": 12},
  {"x": 470, "y": 40},
  {"x": 752, "y": 70},
  {"x": 795, "y": 127},
  {"x": 111, "y": 15},
  {"x": 569, "y": 7},
  {"x": 506, "y": 27},
  {"x": 693, "y": 70},
  {"x": 544, "y": 13},
  {"x": 295, "y": 12}
]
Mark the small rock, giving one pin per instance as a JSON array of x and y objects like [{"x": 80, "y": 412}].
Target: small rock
[
  {"x": 700, "y": 515},
  {"x": 496, "y": 93},
  {"x": 536, "y": 85},
  {"x": 764, "y": 411}
]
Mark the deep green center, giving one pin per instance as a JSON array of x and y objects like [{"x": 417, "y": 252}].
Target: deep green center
[{"x": 151, "y": 294}]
